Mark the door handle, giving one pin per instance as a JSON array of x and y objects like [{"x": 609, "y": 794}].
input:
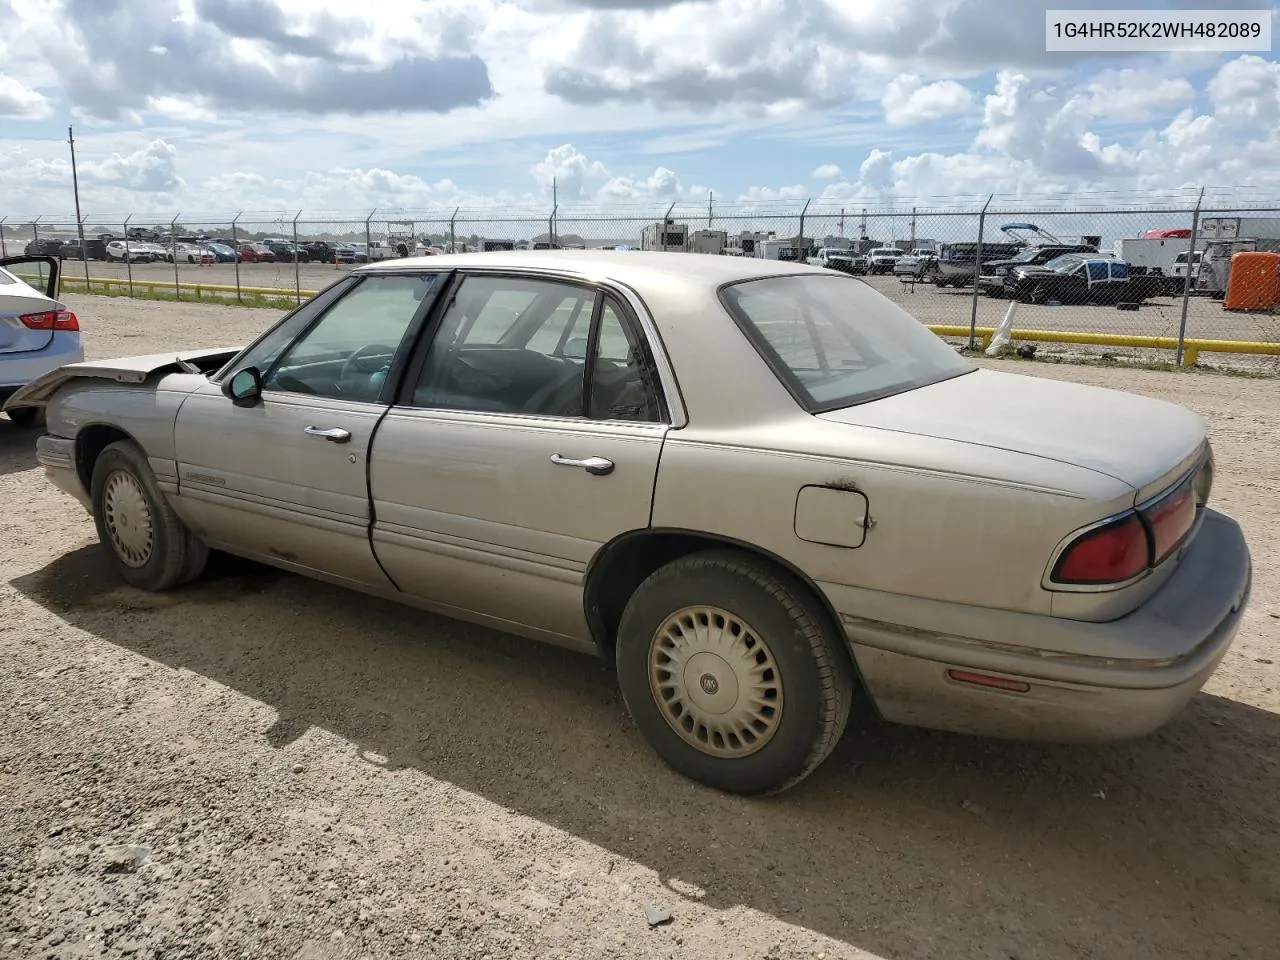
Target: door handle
[
  {"x": 596, "y": 466},
  {"x": 333, "y": 434}
]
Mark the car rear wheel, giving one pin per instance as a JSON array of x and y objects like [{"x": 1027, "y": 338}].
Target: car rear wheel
[
  {"x": 733, "y": 673},
  {"x": 149, "y": 546}
]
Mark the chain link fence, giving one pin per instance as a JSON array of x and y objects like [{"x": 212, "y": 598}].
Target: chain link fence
[{"x": 1159, "y": 283}]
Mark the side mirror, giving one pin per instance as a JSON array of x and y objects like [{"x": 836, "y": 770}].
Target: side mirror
[
  {"x": 244, "y": 387},
  {"x": 576, "y": 349}
]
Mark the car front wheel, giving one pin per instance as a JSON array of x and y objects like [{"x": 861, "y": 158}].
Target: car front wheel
[
  {"x": 149, "y": 546},
  {"x": 733, "y": 673}
]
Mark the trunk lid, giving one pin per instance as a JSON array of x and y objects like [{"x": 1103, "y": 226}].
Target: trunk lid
[
  {"x": 1142, "y": 442},
  {"x": 17, "y": 299}
]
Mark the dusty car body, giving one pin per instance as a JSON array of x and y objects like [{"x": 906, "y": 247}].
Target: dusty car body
[{"x": 768, "y": 493}]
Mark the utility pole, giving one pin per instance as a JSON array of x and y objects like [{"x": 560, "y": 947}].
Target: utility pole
[{"x": 75, "y": 188}]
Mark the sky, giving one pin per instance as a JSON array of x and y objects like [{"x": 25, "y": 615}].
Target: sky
[{"x": 209, "y": 107}]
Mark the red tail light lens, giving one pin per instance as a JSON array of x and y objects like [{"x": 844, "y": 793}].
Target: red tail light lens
[
  {"x": 1171, "y": 520},
  {"x": 1113, "y": 553},
  {"x": 50, "y": 320}
]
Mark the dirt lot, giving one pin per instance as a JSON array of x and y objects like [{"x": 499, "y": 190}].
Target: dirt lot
[{"x": 315, "y": 774}]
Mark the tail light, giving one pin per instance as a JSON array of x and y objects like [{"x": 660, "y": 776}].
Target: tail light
[
  {"x": 50, "y": 320},
  {"x": 1112, "y": 553},
  {"x": 1117, "y": 551}
]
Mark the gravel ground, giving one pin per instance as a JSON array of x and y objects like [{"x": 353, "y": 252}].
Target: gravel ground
[{"x": 261, "y": 766}]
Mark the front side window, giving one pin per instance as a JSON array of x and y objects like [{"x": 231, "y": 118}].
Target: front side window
[
  {"x": 346, "y": 354},
  {"x": 835, "y": 342},
  {"x": 522, "y": 346}
]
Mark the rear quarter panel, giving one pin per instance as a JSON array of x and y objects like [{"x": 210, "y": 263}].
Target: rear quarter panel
[{"x": 942, "y": 526}]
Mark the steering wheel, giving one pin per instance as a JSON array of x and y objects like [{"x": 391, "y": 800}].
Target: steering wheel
[
  {"x": 369, "y": 358},
  {"x": 366, "y": 361}
]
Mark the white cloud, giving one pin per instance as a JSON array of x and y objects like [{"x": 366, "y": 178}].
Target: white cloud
[
  {"x": 1247, "y": 91},
  {"x": 908, "y": 100},
  {"x": 568, "y": 170},
  {"x": 646, "y": 106},
  {"x": 20, "y": 102},
  {"x": 1136, "y": 96},
  {"x": 796, "y": 191}
]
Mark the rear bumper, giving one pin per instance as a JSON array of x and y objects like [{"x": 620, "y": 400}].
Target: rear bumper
[
  {"x": 1069, "y": 697},
  {"x": 19, "y": 369}
]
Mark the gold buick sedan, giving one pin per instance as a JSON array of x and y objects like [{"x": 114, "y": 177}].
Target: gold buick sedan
[{"x": 763, "y": 489}]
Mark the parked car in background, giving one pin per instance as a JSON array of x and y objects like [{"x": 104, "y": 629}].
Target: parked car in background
[
  {"x": 844, "y": 260},
  {"x": 321, "y": 251},
  {"x": 222, "y": 252},
  {"x": 132, "y": 251},
  {"x": 993, "y": 271},
  {"x": 955, "y": 263},
  {"x": 882, "y": 259},
  {"x": 915, "y": 263},
  {"x": 286, "y": 252},
  {"x": 775, "y": 495},
  {"x": 189, "y": 253},
  {"x": 1081, "y": 278},
  {"x": 256, "y": 253},
  {"x": 37, "y": 331},
  {"x": 43, "y": 247}
]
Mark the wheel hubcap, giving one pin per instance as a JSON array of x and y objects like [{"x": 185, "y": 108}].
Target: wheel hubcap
[
  {"x": 127, "y": 518},
  {"x": 715, "y": 681}
]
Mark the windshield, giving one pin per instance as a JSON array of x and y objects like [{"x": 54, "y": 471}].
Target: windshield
[
  {"x": 835, "y": 342},
  {"x": 1025, "y": 256},
  {"x": 1062, "y": 263}
]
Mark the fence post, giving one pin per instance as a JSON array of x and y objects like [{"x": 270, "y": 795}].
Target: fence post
[
  {"x": 913, "y": 228},
  {"x": 800, "y": 253},
  {"x": 977, "y": 269},
  {"x": 235, "y": 252},
  {"x": 173, "y": 249},
  {"x": 1186, "y": 283},
  {"x": 368, "y": 236},
  {"x": 4, "y": 251},
  {"x": 128, "y": 257},
  {"x": 453, "y": 236},
  {"x": 710, "y": 208},
  {"x": 297, "y": 259},
  {"x": 35, "y": 234}
]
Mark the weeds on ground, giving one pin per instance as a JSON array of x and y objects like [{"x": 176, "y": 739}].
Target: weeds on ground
[{"x": 255, "y": 300}]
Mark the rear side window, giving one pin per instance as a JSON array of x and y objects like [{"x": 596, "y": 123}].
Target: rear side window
[{"x": 834, "y": 341}]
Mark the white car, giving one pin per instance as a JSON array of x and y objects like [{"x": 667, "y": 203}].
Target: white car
[
  {"x": 133, "y": 251},
  {"x": 37, "y": 332}
]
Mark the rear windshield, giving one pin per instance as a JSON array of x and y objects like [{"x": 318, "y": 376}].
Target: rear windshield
[{"x": 835, "y": 342}]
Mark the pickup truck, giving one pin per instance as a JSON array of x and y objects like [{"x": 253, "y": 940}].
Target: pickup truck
[
  {"x": 1074, "y": 279},
  {"x": 834, "y": 258}
]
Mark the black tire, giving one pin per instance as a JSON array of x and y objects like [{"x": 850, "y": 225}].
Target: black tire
[
  {"x": 176, "y": 555},
  {"x": 26, "y": 416},
  {"x": 814, "y": 674}
]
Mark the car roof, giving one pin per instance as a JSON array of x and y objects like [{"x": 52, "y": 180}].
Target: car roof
[{"x": 640, "y": 269}]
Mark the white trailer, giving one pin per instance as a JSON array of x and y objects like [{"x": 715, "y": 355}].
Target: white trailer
[
  {"x": 666, "y": 235},
  {"x": 1154, "y": 253},
  {"x": 709, "y": 241},
  {"x": 1239, "y": 228}
]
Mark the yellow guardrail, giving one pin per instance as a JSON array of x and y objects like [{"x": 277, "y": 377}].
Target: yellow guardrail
[
  {"x": 151, "y": 286},
  {"x": 1191, "y": 348}
]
